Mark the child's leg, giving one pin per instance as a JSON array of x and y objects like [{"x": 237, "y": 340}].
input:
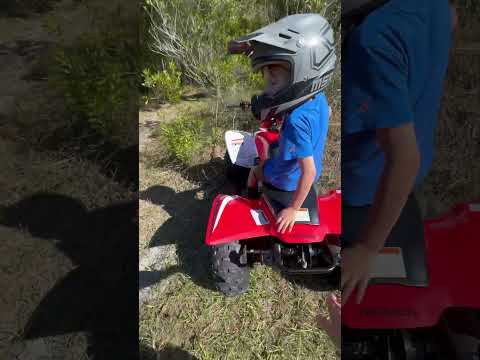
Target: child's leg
[
  {"x": 256, "y": 173},
  {"x": 252, "y": 179},
  {"x": 254, "y": 182}
]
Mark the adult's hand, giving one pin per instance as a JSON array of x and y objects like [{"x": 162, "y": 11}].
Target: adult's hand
[{"x": 333, "y": 324}]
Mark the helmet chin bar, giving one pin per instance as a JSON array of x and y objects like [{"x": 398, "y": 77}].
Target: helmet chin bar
[{"x": 264, "y": 106}]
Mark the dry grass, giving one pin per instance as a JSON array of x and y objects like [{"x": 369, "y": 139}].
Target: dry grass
[
  {"x": 34, "y": 266},
  {"x": 274, "y": 320},
  {"x": 455, "y": 175},
  {"x": 25, "y": 172}
]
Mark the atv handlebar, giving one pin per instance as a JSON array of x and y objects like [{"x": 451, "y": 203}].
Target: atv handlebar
[
  {"x": 244, "y": 105},
  {"x": 238, "y": 47}
]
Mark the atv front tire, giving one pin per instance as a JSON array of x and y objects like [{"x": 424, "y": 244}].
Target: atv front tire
[{"x": 230, "y": 276}]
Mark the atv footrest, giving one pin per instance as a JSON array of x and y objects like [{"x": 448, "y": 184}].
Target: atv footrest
[{"x": 314, "y": 271}]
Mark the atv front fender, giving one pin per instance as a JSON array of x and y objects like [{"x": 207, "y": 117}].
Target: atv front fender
[{"x": 235, "y": 218}]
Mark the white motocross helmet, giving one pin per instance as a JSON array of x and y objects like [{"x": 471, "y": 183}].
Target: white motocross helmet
[{"x": 306, "y": 43}]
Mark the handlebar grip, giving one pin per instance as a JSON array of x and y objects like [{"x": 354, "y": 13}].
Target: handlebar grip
[
  {"x": 242, "y": 105},
  {"x": 237, "y": 47}
]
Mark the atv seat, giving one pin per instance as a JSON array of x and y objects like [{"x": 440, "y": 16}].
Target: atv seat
[
  {"x": 279, "y": 199},
  {"x": 404, "y": 250}
]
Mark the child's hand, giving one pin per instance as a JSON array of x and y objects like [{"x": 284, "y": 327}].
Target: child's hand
[
  {"x": 357, "y": 263},
  {"x": 286, "y": 220}
]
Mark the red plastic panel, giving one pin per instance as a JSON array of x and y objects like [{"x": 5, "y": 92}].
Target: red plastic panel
[
  {"x": 231, "y": 219},
  {"x": 453, "y": 247}
]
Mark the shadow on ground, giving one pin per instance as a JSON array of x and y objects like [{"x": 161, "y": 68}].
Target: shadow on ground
[
  {"x": 100, "y": 296},
  {"x": 316, "y": 282},
  {"x": 185, "y": 228},
  {"x": 168, "y": 353},
  {"x": 189, "y": 212}
]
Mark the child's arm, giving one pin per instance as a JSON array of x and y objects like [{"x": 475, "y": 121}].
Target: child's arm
[
  {"x": 307, "y": 166},
  {"x": 402, "y": 160},
  {"x": 286, "y": 218}
]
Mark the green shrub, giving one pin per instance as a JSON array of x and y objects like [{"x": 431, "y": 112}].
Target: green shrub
[
  {"x": 98, "y": 74},
  {"x": 195, "y": 34},
  {"x": 163, "y": 85},
  {"x": 98, "y": 84},
  {"x": 183, "y": 138}
]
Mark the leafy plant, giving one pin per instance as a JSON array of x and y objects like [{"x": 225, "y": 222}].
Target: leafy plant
[
  {"x": 97, "y": 77},
  {"x": 164, "y": 85},
  {"x": 183, "y": 138}
]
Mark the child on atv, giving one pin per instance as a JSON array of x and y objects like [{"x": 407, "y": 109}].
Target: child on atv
[
  {"x": 297, "y": 58},
  {"x": 395, "y": 60}
]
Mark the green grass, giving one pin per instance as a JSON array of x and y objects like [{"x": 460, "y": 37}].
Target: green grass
[{"x": 274, "y": 320}]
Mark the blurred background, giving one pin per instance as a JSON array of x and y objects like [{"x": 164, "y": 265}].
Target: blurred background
[
  {"x": 455, "y": 173},
  {"x": 68, "y": 147}
]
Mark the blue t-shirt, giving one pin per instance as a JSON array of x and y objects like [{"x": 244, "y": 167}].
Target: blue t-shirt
[
  {"x": 394, "y": 66},
  {"x": 303, "y": 134}
]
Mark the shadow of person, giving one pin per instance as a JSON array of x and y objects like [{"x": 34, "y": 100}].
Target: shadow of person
[
  {"x": 189, "y": 211},
  {"x": 149, "y": 278},
  {"x": 100, "y": 296},
  {"x": 169, "y": 352},
  {"x": 185, "y": 228}
]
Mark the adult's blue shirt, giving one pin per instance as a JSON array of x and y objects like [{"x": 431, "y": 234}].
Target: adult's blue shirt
[
  {"x": 303, "y": 134},
  {"x": 394, "y": 65}
]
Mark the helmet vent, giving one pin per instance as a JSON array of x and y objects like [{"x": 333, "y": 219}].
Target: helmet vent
[
  {"x": 285, "y": 36},
  {"x": 293, "y": 31}
]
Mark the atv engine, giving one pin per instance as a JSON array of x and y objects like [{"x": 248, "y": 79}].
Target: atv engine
[
  {"x": 309, "y": 258},
  {"x": 303, "y": 258}
]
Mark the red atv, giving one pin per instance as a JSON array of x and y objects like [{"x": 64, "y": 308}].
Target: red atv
[
  {"x": 424, "y": 299},
  {"x": 242, "y": 231}
]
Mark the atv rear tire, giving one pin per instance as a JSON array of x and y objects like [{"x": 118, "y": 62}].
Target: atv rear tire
[{"x": 231, "y": 277}]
